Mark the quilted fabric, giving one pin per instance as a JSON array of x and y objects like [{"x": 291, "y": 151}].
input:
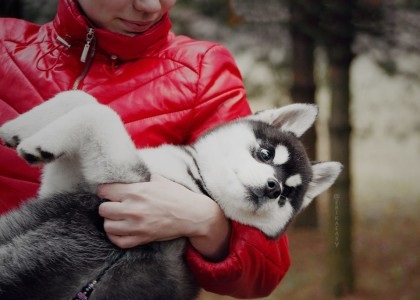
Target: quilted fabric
[{"x": 166, "y": 88}]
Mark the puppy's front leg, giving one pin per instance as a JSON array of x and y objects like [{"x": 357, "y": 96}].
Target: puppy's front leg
[
  {"x": 93, "y": 142},
  {"x": 27, "y": 124}
]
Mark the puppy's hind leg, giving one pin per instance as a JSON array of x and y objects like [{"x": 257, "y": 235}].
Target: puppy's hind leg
[
  {"x": 16, "y": 130},
  {"x": 27, "y": 217}
]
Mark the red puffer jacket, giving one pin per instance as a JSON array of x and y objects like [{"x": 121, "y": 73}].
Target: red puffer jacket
[{"x": 166, "y": 88}]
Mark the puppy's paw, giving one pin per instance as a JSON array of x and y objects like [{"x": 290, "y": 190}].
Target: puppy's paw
[
  {"x": 13, "y": 132},
  {"x": 10, "y": 141},
  {"x": 36, "y": 154},
  {"x": 10, "y": 135}
]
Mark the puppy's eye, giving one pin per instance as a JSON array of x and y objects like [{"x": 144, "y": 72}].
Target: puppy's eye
[{"x": 265, "y": 155}]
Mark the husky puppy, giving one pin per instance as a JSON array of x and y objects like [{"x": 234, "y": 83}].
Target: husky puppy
[{"x": 54, "y": 246}]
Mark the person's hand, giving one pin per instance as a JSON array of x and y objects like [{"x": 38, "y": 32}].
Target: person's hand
[{"x": 159, "y": 210}]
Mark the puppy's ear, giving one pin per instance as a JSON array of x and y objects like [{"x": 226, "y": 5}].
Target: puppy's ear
[
  {"x": 324, "y": 175},
  {"x": 295, "y": 118}
]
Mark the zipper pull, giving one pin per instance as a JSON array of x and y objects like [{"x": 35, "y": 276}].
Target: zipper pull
[
  {"x": 63, "y": 41},
  {"x": 89, "y": 39}
]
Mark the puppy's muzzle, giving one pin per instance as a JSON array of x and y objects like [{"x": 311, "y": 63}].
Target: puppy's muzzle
[{"x": 272, "y": 189}]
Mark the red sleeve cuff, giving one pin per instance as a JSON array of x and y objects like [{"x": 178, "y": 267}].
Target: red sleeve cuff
[{"x": 253, "y": 268}]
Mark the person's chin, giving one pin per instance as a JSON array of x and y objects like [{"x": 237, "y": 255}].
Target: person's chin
[{"x": 132, "y": 28}]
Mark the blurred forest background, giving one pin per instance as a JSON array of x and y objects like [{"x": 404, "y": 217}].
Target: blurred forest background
[{"x": 360, "y": 62}]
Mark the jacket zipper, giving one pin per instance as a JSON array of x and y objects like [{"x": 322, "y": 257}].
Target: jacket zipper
[
  {"x": 89, "y": 38},
  {"x": 88, "y": 49}
]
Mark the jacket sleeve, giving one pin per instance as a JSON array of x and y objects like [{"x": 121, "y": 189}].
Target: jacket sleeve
[
  {"x": 254, "y": 267},
  {"x": 255, "y": 264}
]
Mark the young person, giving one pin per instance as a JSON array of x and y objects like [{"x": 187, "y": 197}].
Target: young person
[{"x": 167, "y": 89}]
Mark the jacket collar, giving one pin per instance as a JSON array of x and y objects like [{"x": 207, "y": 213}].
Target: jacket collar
[{"x": 72, "y": 25}]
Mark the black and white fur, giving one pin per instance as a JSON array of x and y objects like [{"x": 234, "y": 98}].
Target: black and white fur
[{"x": 255, "y": 168}]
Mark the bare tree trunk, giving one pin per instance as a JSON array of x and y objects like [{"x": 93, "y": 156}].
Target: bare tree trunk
[
  {"x": 234, "y": 18},
  {"x": 341, "y": 275},
  {"x": 340, "y": 279},
  {"x": 303, "y": 85}
]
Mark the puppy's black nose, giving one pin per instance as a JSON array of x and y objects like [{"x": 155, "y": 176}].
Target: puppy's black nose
[{"x": 272, "y": 189}]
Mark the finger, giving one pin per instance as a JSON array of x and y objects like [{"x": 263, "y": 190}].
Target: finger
[
  {"x": 116, "y": 227},
  {"x": 111, "y": 210},
  {"x": 125, "y": 242},
  {"x": 112, "y": 191}
]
